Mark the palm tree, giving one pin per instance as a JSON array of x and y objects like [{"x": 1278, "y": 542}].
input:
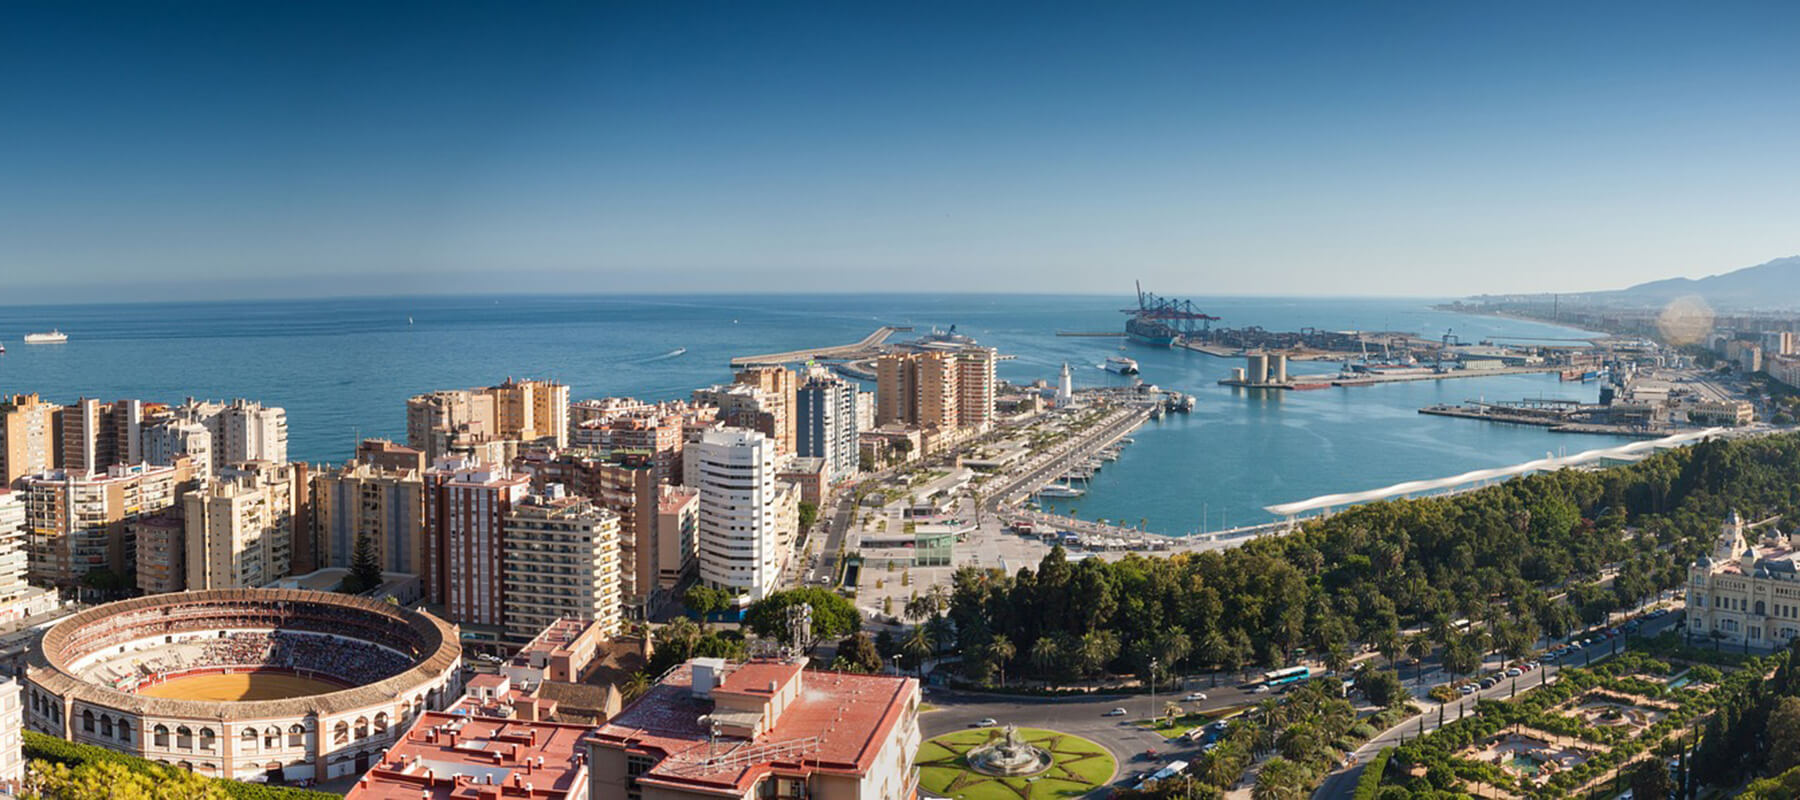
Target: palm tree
[
  {"x": 1046, "y": 655},
  {"x": 918, "y": 645},
  {"x": 940, "y": 630},
  {"x": 1001, "y": 650},
  {"x": 1171, "y": 710},
  {"x": 680, "y": 632},
  {"x": 1418, "y": 646},
  {"x": 635, "y": 686},
  {"x": 1337, "y": 658}
]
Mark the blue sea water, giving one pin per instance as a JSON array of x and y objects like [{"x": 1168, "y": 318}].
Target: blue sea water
[{"x": 344, "y": 368}]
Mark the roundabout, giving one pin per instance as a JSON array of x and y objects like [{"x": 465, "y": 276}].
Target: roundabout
[{"x": 1034, "y": 764}]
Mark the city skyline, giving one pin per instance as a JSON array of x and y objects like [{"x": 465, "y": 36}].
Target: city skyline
[{"x": 218, "y": 151}]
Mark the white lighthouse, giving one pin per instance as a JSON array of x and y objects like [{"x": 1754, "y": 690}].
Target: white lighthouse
[{"x": 1065, "y": 388}]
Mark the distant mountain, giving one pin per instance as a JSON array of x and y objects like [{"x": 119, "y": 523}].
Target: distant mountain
[{"x": 1775, "y": 284}]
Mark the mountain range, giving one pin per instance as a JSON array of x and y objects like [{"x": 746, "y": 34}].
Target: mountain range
[{"x": 1774, "y": 285}]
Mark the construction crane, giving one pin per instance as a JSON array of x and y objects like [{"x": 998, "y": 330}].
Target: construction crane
[{"x": 1178, "y": 315}]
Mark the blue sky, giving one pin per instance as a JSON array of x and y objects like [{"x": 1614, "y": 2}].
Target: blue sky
[{"x": 213, "y": 149}]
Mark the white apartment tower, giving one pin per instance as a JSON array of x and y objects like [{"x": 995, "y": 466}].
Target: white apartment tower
[
  {"x": 15, "y": 559},
  {"x": 741, "y": 546},
  {"x": 241, "y": 430}
]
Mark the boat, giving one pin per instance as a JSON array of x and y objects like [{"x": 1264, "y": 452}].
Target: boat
[
  {"x": 1149, "y": 332},
  {"x": 53, "y": 337},
  {"x": 679, "y": 351},
  {"x": 1059, "y": 490},
  {"x": 1122, "y": 365}
]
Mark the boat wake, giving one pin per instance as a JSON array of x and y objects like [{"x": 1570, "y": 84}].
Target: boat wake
[{"x": 676, "y": 353}]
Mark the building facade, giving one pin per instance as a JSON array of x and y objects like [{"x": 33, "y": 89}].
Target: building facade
[
  {"x": 379, "y": 495},
  {"x": 97, "y": 435},
  {"x": 741, "y": 545},
  {"x": 464, "y": 422},
  {"x": 161, "y": 551},
  {"x": 624, "y": 483},
  {"x": 1746, "y": 592},
  {"x": 677, "y": 535},
  {"x": 825, "y": 425},
  {"x": 561, "y": 562},
  {"x": 77, "y": 519},
  {"x": 240, "y": 528},
  {"x": 466, "y": 508},
  {"x": 27, "y": 437},
  {"x": 241, "y": 430}
]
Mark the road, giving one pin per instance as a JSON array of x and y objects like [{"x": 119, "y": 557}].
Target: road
[{"x": 1086, "y": 717}]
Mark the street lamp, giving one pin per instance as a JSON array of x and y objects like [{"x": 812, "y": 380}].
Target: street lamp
[{"x": 1153, "y": 665}]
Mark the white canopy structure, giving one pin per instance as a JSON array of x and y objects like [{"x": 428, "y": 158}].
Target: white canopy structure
[{"x": 1547, "y": 464}]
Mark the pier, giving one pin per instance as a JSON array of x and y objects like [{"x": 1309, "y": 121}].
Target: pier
[{"x": 858, "y": 349}]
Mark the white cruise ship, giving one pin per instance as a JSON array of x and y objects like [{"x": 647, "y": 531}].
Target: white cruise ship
[
  {"x": 1122, "y": 365},
  {"x": 53, "y": 337}
]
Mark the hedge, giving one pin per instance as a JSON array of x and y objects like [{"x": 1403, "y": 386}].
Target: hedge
[
  {"x": 44, "y": 747},
  {"x": 1368, "y": 786}
]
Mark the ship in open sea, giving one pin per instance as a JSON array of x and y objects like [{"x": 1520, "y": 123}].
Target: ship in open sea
[
  {"x": 53, "y": 337},
  {"x": 1162, "y": 321}
]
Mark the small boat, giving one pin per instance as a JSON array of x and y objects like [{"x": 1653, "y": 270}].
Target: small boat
[
  {"x": 1122, "y": 365},
  {"x": 679, "y": 351},
  {"x": 53, "y": 337}
]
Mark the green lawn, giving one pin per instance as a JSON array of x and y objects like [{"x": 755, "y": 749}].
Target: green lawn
[
  {"x": 1077, "y": 766},
  {"x": 1185, "y": 722}
]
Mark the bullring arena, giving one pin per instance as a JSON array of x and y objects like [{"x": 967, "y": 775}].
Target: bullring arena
[{"x": 283, "y": 685}]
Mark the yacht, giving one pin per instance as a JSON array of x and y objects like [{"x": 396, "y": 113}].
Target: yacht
[
  {"x": 53, "y": 337},
  {"x": 1122, "y": 365},
  {"x": 1060, "y": 490}
]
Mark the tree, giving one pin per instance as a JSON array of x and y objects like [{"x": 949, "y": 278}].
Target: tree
[
  {"x": 1650, "y": 779},
  {"x": 918, "y": 647},
  {"x": 808, "y": 513},
  {"x": 1001, "y": 650},
  {"x": 1282, "y": 779},
  {"x": 703, "y": 600},
  {"x": 1784, "y": 734},
  {"x": 832, "y": 614},
  {"x": 859, "y": 654},
  {"x": 113, "y": 780},
  {"x": 365, "y": 566},
  {"x": 635, "y": 686},
  {"x": 1381, "y": 686}
]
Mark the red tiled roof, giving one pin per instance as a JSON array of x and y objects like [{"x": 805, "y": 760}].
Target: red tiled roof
[
  {"x": 755, "y": 677},
  {"x": 433, "y": 761},
  {"x": 836, "y": 725}
]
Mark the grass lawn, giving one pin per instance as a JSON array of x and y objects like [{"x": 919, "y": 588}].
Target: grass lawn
[
  {"x": 1077, "y": 766},
  {"x": 1185, "y": 722}
]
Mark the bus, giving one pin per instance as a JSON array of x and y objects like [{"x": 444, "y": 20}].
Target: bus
[{"x": 1283, "y": 677}]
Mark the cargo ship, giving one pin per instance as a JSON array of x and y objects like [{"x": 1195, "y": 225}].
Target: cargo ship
[{"x": 1160, "y": 321}]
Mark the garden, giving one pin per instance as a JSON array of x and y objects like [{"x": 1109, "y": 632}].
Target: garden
[{"x": 1077, "y": 766}]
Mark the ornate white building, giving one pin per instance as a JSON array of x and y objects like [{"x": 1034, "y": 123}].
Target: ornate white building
[{"x": 1744, "y": 591}]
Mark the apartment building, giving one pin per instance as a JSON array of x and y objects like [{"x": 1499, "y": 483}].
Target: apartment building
[
  {"x": 750, "y": 407},
  {"x": 241, "y": 430},
  {"x": 975, "y": 388},
  {"x": 561, "y": 562},
  {"x": 624, "y": 483},
  {"x": 77, "y": 518},
  {"x": 15, "y": 558},
  {"x": 446, "y": 756},
  {"x": 791, "y": 733},
  {"x": 161, "y": 550},
  {"x": 778, "y": 384},
  {"x": 677, "y": 535},
  {"x": 466, "y": 508},
  {"x": 742, "y": 546},
  {"x": 613, "y": 424},
  {"x": 379, "y": 494},
  {"x": 169, "y": 439},
  {"x": 27, "y": 437},
  {"x": 97, "y": 435},
  {"x": 466, "y": 422},
  {"x": 825, "y": 425},
  {"x": 241, "y": 528}
]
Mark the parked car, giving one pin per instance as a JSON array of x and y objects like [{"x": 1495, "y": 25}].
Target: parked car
[
  {"x": 1514, "y": 672},
  {"x": 1117, "y": 712}
]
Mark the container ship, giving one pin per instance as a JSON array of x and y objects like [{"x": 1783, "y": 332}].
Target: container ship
[{"x": 1160, "y": 321}]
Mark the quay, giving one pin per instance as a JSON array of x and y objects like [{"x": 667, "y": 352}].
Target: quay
[
  {"x": 1095, "y": 334},
  {"x": 1558, "y": 419},
  {"x": 861, "y": 348},
  {"x": 1323, "y": 381}
]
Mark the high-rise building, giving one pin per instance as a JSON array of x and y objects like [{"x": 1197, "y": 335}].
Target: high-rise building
[
  {"x": 779, "y": 384},
  {"x": 456, "y": 422},
  {"x": 15, "y": 559},
  {"x": 561, "y": 561},
  {"x": 750, "y": 407},
  {"x": 865, "y": 411},
  {"x": 97, "y": 435},
  {"x": 161, "y": 550},
  {"x": 975, "y": 388},
  {"x": 12, "y": 738},
  {"x": 826, "y": 425},
  {"x": 616, "y": 424},
  {"x": 789, "y": 733},
  {"x": 741, "y": 544},
  {"x": 241, "y": 528},
  {"x": 168, "y": 440},
  {"x": 677, "y": 534},
  {"x": 380, "y": 494},
  {"x": 27, "y": 437},
  {"x": 624, "y": 483},
  {"x": 1779, "y": 343},
  {"x": 466, "y": 507},
  {"x": 77, "y": 519},
  {"x": 241, "y": 430}
]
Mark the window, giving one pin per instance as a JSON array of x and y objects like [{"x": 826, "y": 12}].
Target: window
[
  {"x": 296, "y": 736},
  {"x": 341, "y": 733},
  {"x": 184, "y": 739},
  {"x": 87, "y": 720},
  {"x": 247, "y": 739},
  {"x": 208, "y": 739},
  {"x": 272, "y": 737},
  {"x": 161, "y": 736},
  {"x": 381, "y": 722}
]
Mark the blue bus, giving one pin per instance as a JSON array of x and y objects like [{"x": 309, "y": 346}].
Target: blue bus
[{"x": 1283, "y": 677}]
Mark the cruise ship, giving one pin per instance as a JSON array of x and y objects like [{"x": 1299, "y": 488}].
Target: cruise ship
[
  {"x": 1122, "y": 365},
  {"x": 53, "y": 337}
]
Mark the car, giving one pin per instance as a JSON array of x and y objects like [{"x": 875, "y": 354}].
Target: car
[
  {"x": 1117, "y": 712},
  {"x": 984, "y": 722},
  {"x": 1261, "y": 688},
  {"x": 1467, "y": 688},
  {"x": 1194, "y": 697},
  {"x": 1514, "y": 672}
]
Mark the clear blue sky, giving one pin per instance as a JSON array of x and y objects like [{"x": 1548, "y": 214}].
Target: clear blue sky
[{"x": 208, "y": 149}]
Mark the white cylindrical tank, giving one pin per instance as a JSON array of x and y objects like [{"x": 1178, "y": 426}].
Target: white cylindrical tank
[
  {"x": 1237, "y": 374},
  {"x": 1278, "y": 367},
  {"x": 1257, "y": 365}
]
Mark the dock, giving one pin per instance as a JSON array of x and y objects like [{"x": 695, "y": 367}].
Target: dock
[
  {"x": 1095, "y": 334},
  {"x": 861, "y": 348},
  {"x": 1303, "y": 382},
  {"x": 1556, "y": 420}
]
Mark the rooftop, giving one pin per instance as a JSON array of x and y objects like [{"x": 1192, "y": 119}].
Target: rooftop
[
  {"x": 479, "y": 758},
  {"x": 836, "y": 723}
]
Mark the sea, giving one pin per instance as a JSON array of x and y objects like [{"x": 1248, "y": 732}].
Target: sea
[{"x": 343, "y": 369}]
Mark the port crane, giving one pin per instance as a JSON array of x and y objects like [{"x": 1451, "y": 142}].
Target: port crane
[{"x": 1177, "y": 314}]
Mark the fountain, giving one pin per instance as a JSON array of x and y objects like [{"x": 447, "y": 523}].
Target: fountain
[{"x": 1009, "y": 756}]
